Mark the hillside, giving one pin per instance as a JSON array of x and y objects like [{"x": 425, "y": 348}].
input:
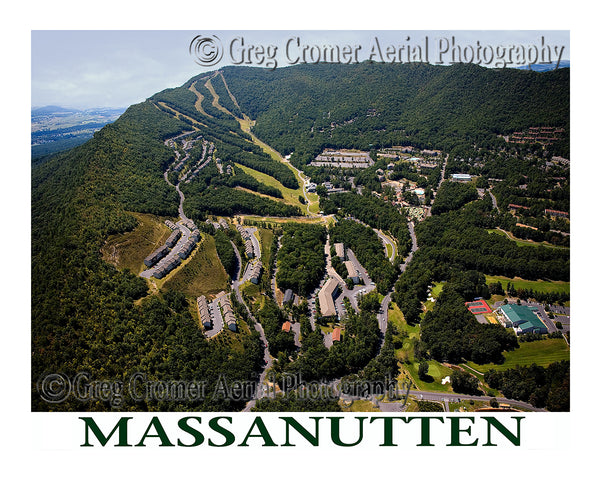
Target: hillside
[
  {"x": 309, "y": 107},
  {"x": 89, "y": 316}
]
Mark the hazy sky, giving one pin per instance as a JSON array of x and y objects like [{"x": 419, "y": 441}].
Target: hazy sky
[{"x": 113, "y": 68}]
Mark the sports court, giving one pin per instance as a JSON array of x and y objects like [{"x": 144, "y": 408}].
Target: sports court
[{"x": 478, "y": 307}]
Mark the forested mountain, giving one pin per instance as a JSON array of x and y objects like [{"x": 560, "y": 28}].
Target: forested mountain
[
  {"x": 89, "y": 316},
  {"x": 309, "y": 107},
  {"x": 86, "y": 315}
]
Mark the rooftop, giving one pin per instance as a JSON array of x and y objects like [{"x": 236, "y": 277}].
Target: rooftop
[{"x": 522, "y": 314}]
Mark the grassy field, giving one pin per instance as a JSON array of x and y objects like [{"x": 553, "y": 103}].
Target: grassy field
[
  {"x": 538, "y": 285},
  {"x": 396, "y": 318},
  {"x": 313, "y": 199},
  {"x": 437, "y": 289},
  {"x": 128, "y": 250},
  {"x": 541, "y": 352},
  {"x": 202, "y": 275},
  {"x": 266, "y": 240},
  {"x": 279, "y": 221},
  {"x": 289, "y": 196}
]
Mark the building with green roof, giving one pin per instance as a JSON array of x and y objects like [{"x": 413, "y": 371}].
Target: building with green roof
[{"x": 522, "y": 318}]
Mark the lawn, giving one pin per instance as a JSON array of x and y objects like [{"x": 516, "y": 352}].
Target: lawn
[
  {"x": 396, "y": 318},
  {"x": 537, "y": 285},
  {"x": 436, "y": 373},
  {"x": 437, "y": 289},
  {"x": 250, "y": 289},
  {"x": 203, "y": 274},
  {"x": 540, "y": 352},
  {"x": 128, "y": 250}
]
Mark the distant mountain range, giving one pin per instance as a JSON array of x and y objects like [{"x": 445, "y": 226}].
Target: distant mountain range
[{"x": 545, "y": 67}]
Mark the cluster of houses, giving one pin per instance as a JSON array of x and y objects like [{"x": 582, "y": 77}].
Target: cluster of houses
[
  {"x": 222, "y": 223},
  {"x": 206, "y": 157},
  {"x": 556, "y": 213},
  {"x": 255, "y": 271},
  {"x": 166, "y": 265},
  {"x": 228, "y": 316},
  {"x": 248, "y": 245},
  {"x": 187, "y": 145},
  {"x": 544, "y": 135},
  {"x": 547, "y": 211},
  {"x": 206, "y": 313},
  {"x": 342, "y": 159}
]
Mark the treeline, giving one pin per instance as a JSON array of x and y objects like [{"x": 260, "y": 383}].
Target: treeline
[
  {"x": 452, "y": 196},
  {"x": 227, "y": 202},
  {"x": 242, "y": 179},
  {"x": 374, "y": 212},
  {"x": 301, "y": 258},
  {"x": 552, "y": 297},
  {"x": 539, "y": 236},
  {"x": 369, "y": 251},
  {"x": 455, "y": 239},
  {"x": 294, "y": 401},
  {"x": 542, "y": 387}
]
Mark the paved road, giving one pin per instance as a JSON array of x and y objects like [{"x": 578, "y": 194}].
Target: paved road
[
  {"x": 217, "y": 319},
  {"x": 443, "y": 172},
  {"x": 268, "y": 360},
  {"x": 273, "y": 282},
  {"x": 457, "y": 397},
  {"x": 494, "y": 201},
  {"x": 414, "y": 247},
  {"x": 382, "y": 317},
  {"x": 387, "y": 241}
]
